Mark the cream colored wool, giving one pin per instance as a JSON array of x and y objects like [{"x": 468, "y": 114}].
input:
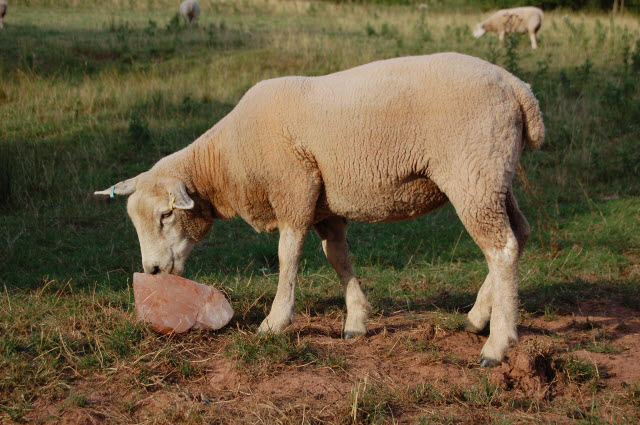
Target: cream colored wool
[
  {"x": 387, "y": 141},
  {"x": 190, "y": 10},
  {"x": 519, "y": 19},
  {"x": 3, "y": 11}
]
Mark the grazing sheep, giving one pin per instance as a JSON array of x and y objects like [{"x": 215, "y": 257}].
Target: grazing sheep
[
  {"x": 3, "y": 11},
  {"x": 519, "y": 19},
  {"x": 190, "y": 10},
  {"x": 387, "y": 141}
]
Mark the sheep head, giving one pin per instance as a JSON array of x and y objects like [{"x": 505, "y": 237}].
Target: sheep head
[
  {"x": 168, "y": 220},
  {"x": 479, "y": 30}
]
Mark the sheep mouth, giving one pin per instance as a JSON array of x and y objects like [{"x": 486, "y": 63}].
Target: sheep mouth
[{"x": 174, "y": 269}]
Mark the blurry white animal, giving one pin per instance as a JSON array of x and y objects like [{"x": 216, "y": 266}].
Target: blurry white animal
[
  {"x": 190, "y": 10},
  {"x": 518, "y": 19},
  {"x": 3, "y": 11}
]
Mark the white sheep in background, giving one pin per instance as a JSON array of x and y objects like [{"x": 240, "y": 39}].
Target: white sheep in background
[
  {"x": 190, "y": 10},
  {"x": 519, "y": 19},
  {"x": 387, "y": 141},
  {"x": 3, "y": 11}
]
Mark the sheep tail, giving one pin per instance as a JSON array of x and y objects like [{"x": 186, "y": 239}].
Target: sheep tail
[{"x": 532, "y": 117}]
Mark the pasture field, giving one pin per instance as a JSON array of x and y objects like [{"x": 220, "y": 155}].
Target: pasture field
[{"x": 92, "y": 92}]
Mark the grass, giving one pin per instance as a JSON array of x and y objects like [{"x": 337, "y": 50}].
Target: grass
[
  {"x": 370, "y": 403},
  {"x": 579, "y": 371},
  {"x": 95, "y": 92},
  {"x": 256, "y": 354}
]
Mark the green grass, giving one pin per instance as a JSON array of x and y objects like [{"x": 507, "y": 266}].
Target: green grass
[
  {"x": 370, "y": 403},
  {"x": 97, "y": 92},
  {"x": 579, "y": 371}
]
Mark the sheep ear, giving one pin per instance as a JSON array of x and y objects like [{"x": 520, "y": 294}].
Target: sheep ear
[
  {"x": 125, "y": 187},
  {"x": 179, "y": 198}
]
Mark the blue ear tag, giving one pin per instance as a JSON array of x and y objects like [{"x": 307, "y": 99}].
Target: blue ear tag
[{"x": 111, "y": 195}]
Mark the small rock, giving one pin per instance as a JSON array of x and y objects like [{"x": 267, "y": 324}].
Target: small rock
[{"x": 173, "y": 304}]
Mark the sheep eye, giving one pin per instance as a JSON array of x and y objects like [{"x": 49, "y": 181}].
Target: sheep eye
[{"x": 166, "y": 215}]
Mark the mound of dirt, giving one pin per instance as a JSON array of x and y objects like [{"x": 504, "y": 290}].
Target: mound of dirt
[{"x": 526, "y": 372}]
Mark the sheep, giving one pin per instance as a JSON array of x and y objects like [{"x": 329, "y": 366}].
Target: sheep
[
  {"x": 386, "y": 141},
  {"x": 3, "y": 11},
  {"x": 190, "y": 10},
  {"x": 519, "y": 19}
]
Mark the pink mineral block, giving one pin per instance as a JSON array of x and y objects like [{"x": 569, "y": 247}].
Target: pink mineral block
[{"x": 175, "y": 304}]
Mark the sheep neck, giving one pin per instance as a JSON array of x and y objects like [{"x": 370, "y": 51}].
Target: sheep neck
[{"x": 207, "y": 173}]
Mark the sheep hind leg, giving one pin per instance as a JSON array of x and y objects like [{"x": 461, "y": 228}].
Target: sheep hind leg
[
  {"x": 518, "y": 222},
  {"x": 333, "y": 232},
  {"x": 488, "y": 224},
  {"x": 479, "y": 315}
]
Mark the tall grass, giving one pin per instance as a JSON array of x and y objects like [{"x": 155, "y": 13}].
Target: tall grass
[{"x": 89, "y": 97}]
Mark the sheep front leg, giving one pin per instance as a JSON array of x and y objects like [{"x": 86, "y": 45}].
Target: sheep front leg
[{"x": 289, "y": 251}]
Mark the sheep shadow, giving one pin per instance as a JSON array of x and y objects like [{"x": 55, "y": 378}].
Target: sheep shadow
[{"x": 613, "y": 302}]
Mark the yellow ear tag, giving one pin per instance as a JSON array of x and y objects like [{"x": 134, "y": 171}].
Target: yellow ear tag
[{"x": 171, "y": 204}]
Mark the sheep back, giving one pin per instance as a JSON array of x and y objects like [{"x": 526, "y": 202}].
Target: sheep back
[{"x": 381, "y": 139}]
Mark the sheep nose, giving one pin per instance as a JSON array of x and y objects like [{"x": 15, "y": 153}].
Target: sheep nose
[{"x": 155, "y": 270}]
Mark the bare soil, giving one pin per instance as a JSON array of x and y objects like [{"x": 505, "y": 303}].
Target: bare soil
[{"x": 409, "y": 368}]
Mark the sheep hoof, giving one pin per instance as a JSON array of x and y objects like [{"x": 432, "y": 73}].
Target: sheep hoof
[
  {"x": 351, "y": 333},
  {"x": 468, "y": 327},
  {"x": 274, "y": 326},
  {"x": 263, "y": 330},
  {"x": 487, "y": 362}
]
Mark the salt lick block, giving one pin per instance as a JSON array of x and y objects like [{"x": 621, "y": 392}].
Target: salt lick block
[{"x": 175, "y": 304}]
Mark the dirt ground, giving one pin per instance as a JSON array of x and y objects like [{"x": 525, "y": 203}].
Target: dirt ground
[{"x": 410, "y": 368}]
